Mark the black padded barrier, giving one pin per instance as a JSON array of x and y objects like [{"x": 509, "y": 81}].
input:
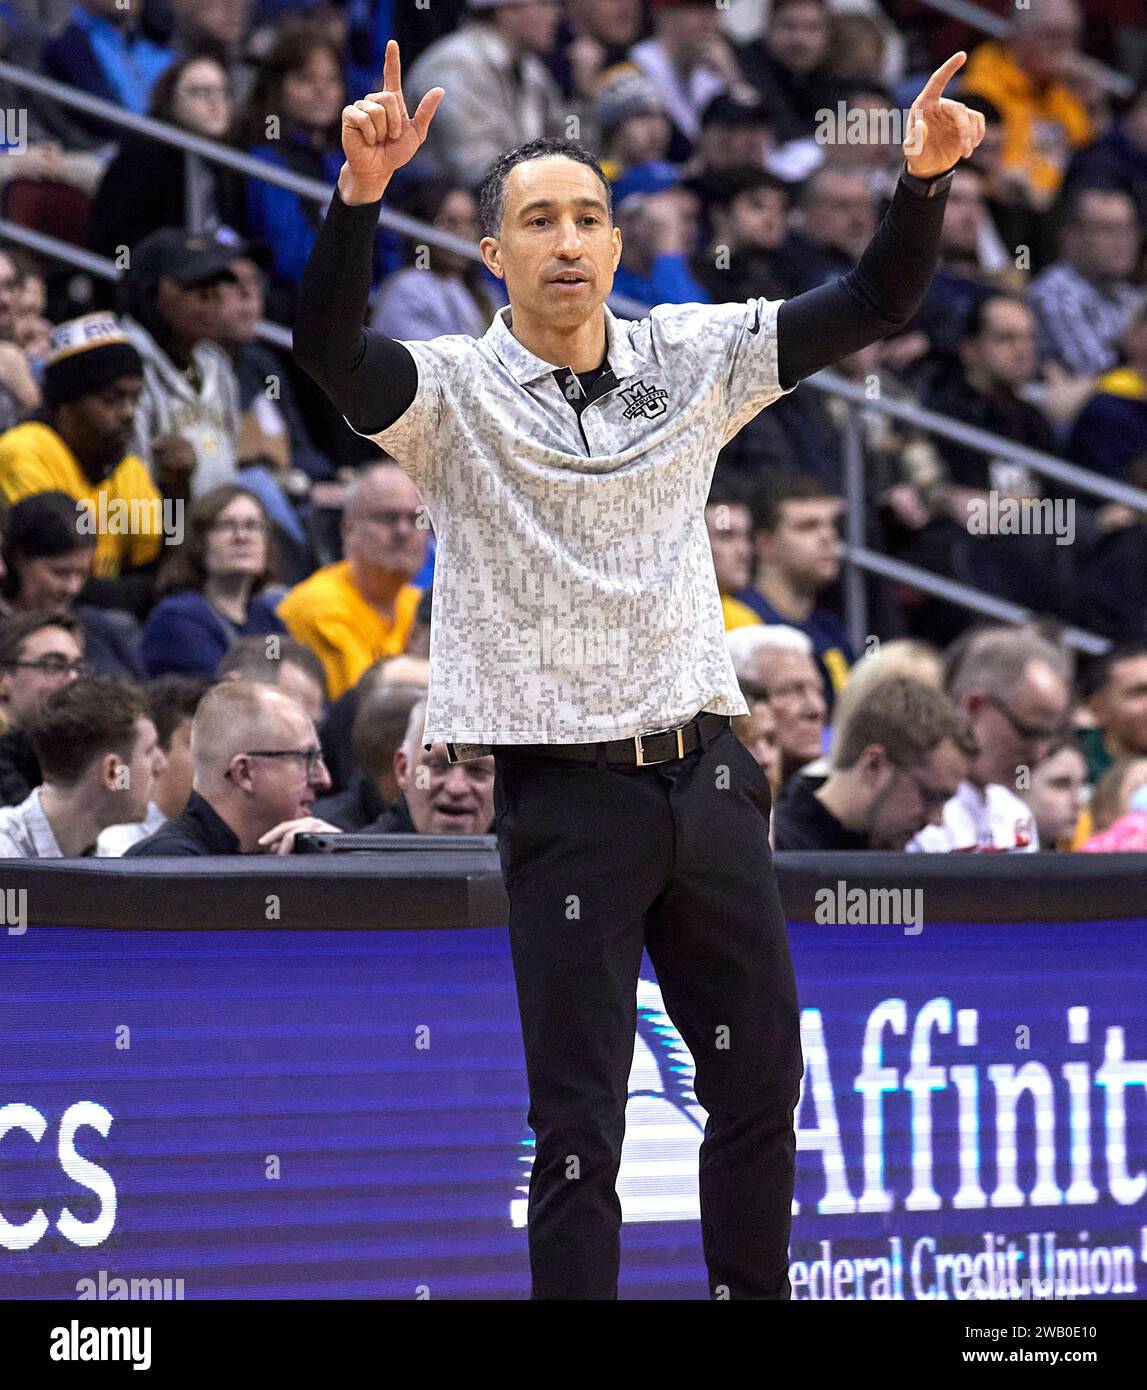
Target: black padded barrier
[{"x": 422, "y": 884}]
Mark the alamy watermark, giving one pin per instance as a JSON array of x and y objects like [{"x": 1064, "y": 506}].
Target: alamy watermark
[
  {"x": 14, "y": 910},
  {"x": 135, "y": 516},
  {"x": 1002, "y": 515},
  {"x": 883, "y": 907},
  {"x": 113, "y": 1287},
  {"x": 862, "y": 125},
  {"x": 13, "y": 129}
]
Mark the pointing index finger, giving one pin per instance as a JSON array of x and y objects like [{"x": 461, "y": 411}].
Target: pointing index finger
[
  {"x": 392, "y": 75},
  {"x": 934, "y": 87},
  {"x": 392, "y": 68}
]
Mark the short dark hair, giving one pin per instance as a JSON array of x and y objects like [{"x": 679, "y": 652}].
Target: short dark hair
[
  {"x": 908, "y": 718},
  {"x": 976, "y": 318},
  {"x": 768, "y": 502},
  {"x": 492, "y": 195},
  {"x": 90, "y": 716},
  {"x": 17, "y": 631},
  {"x": 1105, "y": 800},
  {"x": 735, "y": 182},
  {"x": 174, "y": 698},
  {"x": 380, "y": 725},
  {"x": 778, "y": 5},
  {"x": 40, "y": 526},
  {"x": 727, "y": 492},
  {"x": 854, "y": 87},
  {"x": 753, "y": 692},
  {"x": 249, "y": 659},
  {"x": 984, "y": 105},
  {"x": 1073, "y": 203},
  {"x": 1096, "y": 674}
]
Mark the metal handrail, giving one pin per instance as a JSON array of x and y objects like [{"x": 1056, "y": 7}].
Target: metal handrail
[
  {"x": 858, "y": 557},
  {"x": 197, "y": 147},
  {"x": 988, "y": 22},
  {"x": 107, "y": 269},
  {"x": 314, "y": 190},
  {"x": 983, "y": 441},
  {"x": 963, "y": 595}
]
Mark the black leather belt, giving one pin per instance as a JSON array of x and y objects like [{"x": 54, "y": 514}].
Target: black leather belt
[{"x": 641, "y": 751}]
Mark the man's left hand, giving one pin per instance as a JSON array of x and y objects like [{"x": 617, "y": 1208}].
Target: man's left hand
[
  {"x": 940, "y": 131},
  {"x": 281, "y": 840}
]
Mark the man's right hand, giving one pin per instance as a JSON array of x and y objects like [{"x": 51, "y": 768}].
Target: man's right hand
[
  {"x": 379, "y": 136},
  {"x": 172, "y": 464}
]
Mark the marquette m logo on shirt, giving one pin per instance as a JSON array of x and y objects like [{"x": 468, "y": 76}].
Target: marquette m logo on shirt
[{"x": 644, "y": 400}]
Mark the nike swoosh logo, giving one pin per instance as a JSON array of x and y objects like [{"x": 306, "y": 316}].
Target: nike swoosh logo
[{"x": 754, "y": 327}]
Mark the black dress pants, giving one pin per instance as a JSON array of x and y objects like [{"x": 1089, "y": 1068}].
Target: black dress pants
[{"x": 600, "y": 861}]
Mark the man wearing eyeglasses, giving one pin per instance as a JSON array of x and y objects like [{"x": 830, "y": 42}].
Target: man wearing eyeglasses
[
  {"x": 896, "y": 763},
  {"x": 257, "y": 768},
  {"x": 1013, "y": 688},
  {"x": 361, "y": 609},
  {"x": 39, "y": 653}
]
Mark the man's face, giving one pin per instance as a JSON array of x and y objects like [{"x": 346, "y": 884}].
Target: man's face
[
  {"x": 1056, "y": 795},
  {"x": 912, "y": 798},
  {"x": 797, "y": 37},
  {"x": 27, "y": 686},
  {"x": 283, "y": 788},
  {"x": 240, "y": 303},
  {"x": 840, "y": 213},
  {"x": 642, "y": 137},
  {"x": 804, "y": 545},
  {"x": 1134, "y": 123},
  {"x": 686, "y": 29},
  {"x": 757, "y": 220},
  {"x": 9, "y": 299},
  {"x": 1016, "y": 732},
  {"x": 1004, "y": 352},
  {"x": 144, "y": 767},
  {"x": 729, "y": 525},
  {"x": 446, "y": 798},
  {"x": 458, "y": 215},
  {"x": 758, "y": 732},
  {"x": 190, "y": 312},
  {"x": 100, "y": 424},
  {"x": 1103, "y": 243},
  {"x": 53, "y": 581},
  {"x": 747, "y": 145},
  {"x": 796, "y": 694},
  {"x": 1121, "y": 706},
  {"x": 963, "y": 216},
  {"x": 1045, "y": 46},
  {"x": 531, "y": 23},
  {"x": 615, "y": 23},
  {"x": 173, "y": 784},
  {"x": 988, "y": 155},
  {"x": 382, "y": 530},
  {"x": 557, "y": 250}
]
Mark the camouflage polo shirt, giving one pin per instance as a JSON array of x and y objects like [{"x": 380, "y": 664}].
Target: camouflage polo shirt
[{"x": 574, "y": 593}]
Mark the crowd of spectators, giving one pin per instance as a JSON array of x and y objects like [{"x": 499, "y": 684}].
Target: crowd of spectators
[{"x": 215, "y": 598}]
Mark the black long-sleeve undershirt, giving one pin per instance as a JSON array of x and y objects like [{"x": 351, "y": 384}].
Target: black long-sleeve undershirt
[{"x": 372, "y": 379}]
